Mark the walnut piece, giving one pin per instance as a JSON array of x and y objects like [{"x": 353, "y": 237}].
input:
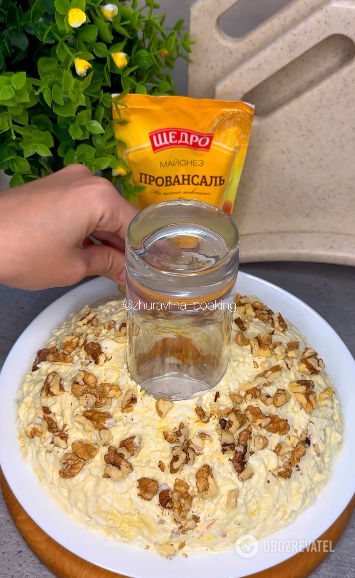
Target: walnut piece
[
  {"x": 241, "y": 340},
  {"x": 161, "y": 466},
  {"x": 286, "y": 471},
  {"x": 310, "y": 363},
  {"x": 327, "y": 393},
  {"x": 265, "y": 345},
  {"x": 131, "y": 444},
  {"x": 235, "y": 398},
  {"x": 94, "y": 350},
  {"x": 246, "y": 474},
  {"x": 105, "y": 436},
  {"x": 278, "y": 322},
  {"x": 84, "y": 450},
  {"x": 50, "y": 419},
  {"x": 256, "y": 416},
  {"x": 301, "y": 386},
  {"x": 260, "y": 442},
  {"x": 292, "y": 348},
  {"x": 100, "y": 419},
  {"x": 53, "y": 385},
  {"x": 71, "y": 466},
  {"x": 307, "y": 400},
  {"x": 205, "y": 482},
  {"x": 266, "y": 398},
  {"x": 202, "y": 415},
  {"x": 232, "y": 499},
  {"x": 86, "y": 318},
  {"x": 277, "y": 425},
  {"x": 282, "y": 449},
  {"x": 147, "y": 488},
  {"x": 163, "y": 406},
  {"x": 181, "y": 500},
  {"x": 117, "y": 467},
  {"x": 240, "y": 458},
  {"x": 40, "y": 356},
  {"x": 298, "y": 453},
  {"x": 70, "y": 343},
  {"x": 165, "y": 499},
  {"x": 128, "y": 401},
  {"x": 33, "y": 430},
  {"x": 60, "y": 440},
  {"x": 281, "y": 397}
]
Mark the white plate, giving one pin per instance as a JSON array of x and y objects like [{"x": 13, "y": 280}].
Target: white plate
[{"x": 137, "y": 562}]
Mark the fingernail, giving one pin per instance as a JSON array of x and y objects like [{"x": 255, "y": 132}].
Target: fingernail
[{"x": 122, "y": 277}]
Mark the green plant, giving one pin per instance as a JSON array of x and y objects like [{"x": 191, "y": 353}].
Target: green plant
[{"x": 57, "y": 74}]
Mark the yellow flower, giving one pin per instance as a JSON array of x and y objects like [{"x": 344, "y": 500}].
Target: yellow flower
[
  {"x": 120, "y": 59},
  {"x": 109, "y": 11},
  {"x": 76, "y": 17},
  {"x": 119, "y": 171},
  {"x": 164, "y": 53},
  {"x": 81, "y": 66}
]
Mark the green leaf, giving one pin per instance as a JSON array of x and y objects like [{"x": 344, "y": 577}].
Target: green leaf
[
  {"x": 22, "y": 95},
  {"x": 186, "y": 43},
  {"x": 122, "y": 31},
  {"x": 15, "y": 110},
  {"x": 94, "y": 127},
  {"x": 88, "y": 33},
  {"x": 140, "y": 89},
  {"x": 42, "y": 122},
  {"x": 99, "y": 113},
  {"x": 68, "y": 82},
  {"x": 18, "y": 80},
  {"x": 170, "y": 41},
  {"x": 64, "y": 148},
  {"x": 78, "y": 4},
  {"x": 104, "y": 30},
  {"x": 42, "y": 150},
  {"x": 49, "y": 6},
  {"x": 18, "y": 39},
  {"x": 83, "y": 117},
  {"x": 86, "y": 82},
  {"x": 164, "y": 86},
  {"x": 21, "y": 118},
  {"x": 179, "y": 25},
  {"x": 102, "y": 163},
  {"x": 75, "y": 131},
  {"x": 57, "y": 94},
  {"x": 117, "y": 47},
  {"x": 37, "y": 10},
  {"x": 47, "y": 95},
  {"x": 84, "y": 150},
  {"x": 142, "y": 59},
  {"x": 5, "y": 81},
  {"x": 126, "y": 82},
  {"x": 7, "y": 92},
  {"x": 2, "y": 61},
  {"x": 20, "y": 165},
  {"x": 11, "y": 17},
  {"x": 107, "y": 100},
  {"x": 69, "y": 109},
  {"x": 30, "y": 149},
  {"x": 61, "y": 52},
  {"x": 100, "y": 50},
  {"x": 16, "y": 180},
  {"x": 62, "y": 6}
]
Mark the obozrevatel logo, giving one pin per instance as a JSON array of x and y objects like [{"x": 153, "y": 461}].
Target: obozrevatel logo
[
  {"x": 247, "y": 546},
  {"x": 165, "y": 138}
]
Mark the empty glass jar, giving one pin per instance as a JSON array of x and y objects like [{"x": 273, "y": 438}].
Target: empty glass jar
[{"x": 181, "y": 265}]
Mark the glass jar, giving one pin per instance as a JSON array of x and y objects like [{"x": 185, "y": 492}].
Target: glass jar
[{"x": 181, "y": 265}]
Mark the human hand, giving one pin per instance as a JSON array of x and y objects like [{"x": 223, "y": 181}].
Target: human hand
[{"x": 45, "y": 227}]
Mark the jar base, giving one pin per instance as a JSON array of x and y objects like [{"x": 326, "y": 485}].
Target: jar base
[{"x": 175, "y": 387}]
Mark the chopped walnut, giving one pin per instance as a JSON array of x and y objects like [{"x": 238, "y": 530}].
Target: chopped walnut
[
  {"x": 203, "y": 416},
  {"x": 178, "y": 460},
  {"x": 281, "y": 397},
  {"x": 131, "y": 444},
  {"x": 227, "y": 441},
  {"x": 56, "y": 356},
  {"x": 246, "y": 474},
  {"x": 86, "y": 318},
  {"x": 117, "y": 467},
  {"x": 165, "y": 499},
  {"x": 260, "y": 442},
  {"x": 100, "y": 419},
  {"x": 33, "y": 430},
  {"x": 166, "y": 550},
  {"x": 266, "y": 398},
  {"x": 53, "y": 385},
  {"x": 128, "y": 401},
  {"x": 50, "y": 419},
  {"x": 147, "y": 488},
  {"x": 88, "y": 426},
  {"x": 278, "y": 322},
  {"x": 60, "y": 440},
  {"x": 286, "y": 471},
  {"x": 297, "y": 454},
  {"x": 241, "y": 340},
  {"x": 90, "y": 393},
  {"x": 161, "y": 466},
  {"x": 263, "y": 316},
  {"x": 231, "y": 420},
  {"x": 71, "y": 466},
  {"x": 265, "y": 345},
  {"x": 105, "y": 436},
  {"x": 292, "y": 348},
  {"x": 301, "y": 386},
  {"x": 307, "y": 400},
  {"x": 310, "y": 363},
  {"x": 84, "y": 450},
  {"x": 239, "y": 459},
  {"x": 235, "y": 398},
  {"x": 94, "y": 350},
  {"x": 282, "y": 449},
  {"x": 70, "y": 342},
  {"x": 253, "y": 393},
  {"x": 238, "y": 321},
  {"x": 257, "y": 382},
  {"x": 40, "y": 356},
  {"x": 277, "y": 425},
  {"x": 181, "y": 500},
  {"x": 205, "y": 482},
  {"x": 232, "y": 499},
  {"x": 328, "y": 392},
  {"x": 163, "y": 406},
  {"x": 256, "y": 416},
  {"x": 271, "y": 373}
]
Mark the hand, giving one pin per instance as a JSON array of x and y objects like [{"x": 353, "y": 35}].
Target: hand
[{"x": 45, "y": 227}]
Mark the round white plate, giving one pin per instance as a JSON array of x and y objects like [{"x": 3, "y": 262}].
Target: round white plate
[{"x": 140, "y": 563}]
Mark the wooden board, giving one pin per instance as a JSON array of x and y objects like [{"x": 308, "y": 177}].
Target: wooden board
[{"x": 65, "y": 564}]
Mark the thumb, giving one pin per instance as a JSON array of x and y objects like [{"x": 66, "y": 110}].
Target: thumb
[{"x": 103, "y": 260}]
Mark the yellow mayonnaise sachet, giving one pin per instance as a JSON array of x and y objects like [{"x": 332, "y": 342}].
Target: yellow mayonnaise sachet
[{"x": 180, "y": 147}]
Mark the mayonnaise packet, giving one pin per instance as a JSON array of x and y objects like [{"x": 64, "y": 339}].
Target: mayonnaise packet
[{"x": 180, "y": 147}]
